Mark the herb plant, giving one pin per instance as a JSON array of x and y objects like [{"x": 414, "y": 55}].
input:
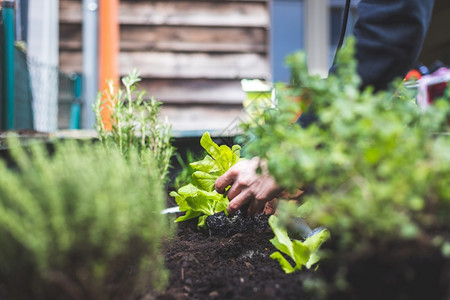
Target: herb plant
[
  {"x": 135, "y": 123},
  {"x": 374, "y": 165},
  {"x": 82, "y": 223},
  {"x": 199, "y": 199}
]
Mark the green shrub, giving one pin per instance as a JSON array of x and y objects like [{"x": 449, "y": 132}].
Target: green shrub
[
  {"x": 82, "y": 223},
  {"x": 135, "y": 124},
  {"x": 374, "y": 166}
]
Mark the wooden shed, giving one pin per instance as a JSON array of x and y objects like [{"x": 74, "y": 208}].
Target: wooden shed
[{"x": 191, "y": 54}]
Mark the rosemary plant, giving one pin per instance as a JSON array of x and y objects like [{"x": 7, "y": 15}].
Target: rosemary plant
[
  {"x": 82, "y": 223},
  {"x": 135, "y": 123}
]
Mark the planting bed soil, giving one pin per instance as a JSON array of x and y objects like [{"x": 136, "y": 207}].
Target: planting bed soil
[
  {"x": 239, "y": 267},
  {"x": 219, "y": 267}
]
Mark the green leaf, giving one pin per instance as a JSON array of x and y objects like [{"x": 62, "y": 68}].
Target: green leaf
[
  {"x": 208, "y": 165},
  {"x": 281, "y": 241},
  {"x": 190, "y": 214},
  {"x": 201, "y": 202},
  {"x": 212, "y": 149},
  {"x": 204, "y": 180},
  {"x": 221, "y": 204},
  {"x": 180, "y": 201},
  {"x": 313, "y": 243},
  {"x": 202, "y": 221},
  {"x": 223, "y": 156},
  {"x": 236, "y": 150},
  {"x": 285, "y": 265},
  {"x": 302, "y": 253}
]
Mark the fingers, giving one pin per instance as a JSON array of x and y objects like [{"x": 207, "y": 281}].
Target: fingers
[
  {"x": 240, "y": 200},
  {"x": 246, "y": 186},
  {"x": 235, "y": 190},
  {"x": 225, "y": 180},
  {"x": 266, "y": 191},
  {"x": 257, "y": 196}
]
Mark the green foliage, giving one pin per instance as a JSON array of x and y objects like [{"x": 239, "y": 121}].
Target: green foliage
[
  {"x": 302, "y": 253},
  {"x": 82, "y": 223},
  {"x": 199, "y": 199},
  {"x": 184, "y": 176},
  {"x": 135, "y": 124},
  {"x": 374, "y": 165},
  {"x": 197, "y": 202}
]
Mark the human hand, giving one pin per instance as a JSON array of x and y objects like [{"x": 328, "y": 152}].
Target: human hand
[{"x": 247, "y": 186}]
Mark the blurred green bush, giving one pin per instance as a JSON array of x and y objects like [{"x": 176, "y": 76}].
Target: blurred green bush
[
  {"x": 82, "y": 223},
  {"x": 374, "y": 166}
]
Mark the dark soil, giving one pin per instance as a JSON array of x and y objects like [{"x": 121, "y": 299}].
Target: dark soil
[
  {"x": 222, "y": 225},
  {"x": 235, "y": 267},
  {"x": 238, "y": 266}
]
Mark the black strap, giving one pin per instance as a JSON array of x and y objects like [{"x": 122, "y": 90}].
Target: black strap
[{"x": 343, "y": 28}]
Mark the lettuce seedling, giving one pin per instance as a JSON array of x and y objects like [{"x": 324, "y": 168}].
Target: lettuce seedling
[
  {"x": 302, "y": 253},
  {"x": 199, "y": 199},
  {"x": 198, "y": 203}
]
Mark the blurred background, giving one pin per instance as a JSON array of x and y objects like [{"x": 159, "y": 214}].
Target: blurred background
[{"x": 192, "y": 55}]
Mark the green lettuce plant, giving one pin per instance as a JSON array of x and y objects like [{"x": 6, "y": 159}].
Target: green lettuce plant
[
  {"x": 302, "y": 253},
  {"x": 199, "y": 199},
  {"x": 135, "y": 123},
  {"x": 82, "y": 223}
]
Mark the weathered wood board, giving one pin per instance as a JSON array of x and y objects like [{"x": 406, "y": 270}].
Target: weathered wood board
[{"x": 191, "y": 55}]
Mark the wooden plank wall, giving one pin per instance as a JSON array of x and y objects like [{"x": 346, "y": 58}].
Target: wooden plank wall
[{"x": 191, "y": 54}]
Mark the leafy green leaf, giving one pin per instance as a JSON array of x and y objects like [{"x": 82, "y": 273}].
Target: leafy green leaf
[
  {"x": 204, "y": 180},
  {"x": 202, "y": 221},
  {"x": 190, "y": 214},
  {"x": 287, "y": 267},
  {"x": 281, "y": 241},
  {"x": 302, "y": 253},
  {"x": 223, "y": 156},
  {"x": 208, "y": 165},
  {"x": 313, "y": 243}
]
